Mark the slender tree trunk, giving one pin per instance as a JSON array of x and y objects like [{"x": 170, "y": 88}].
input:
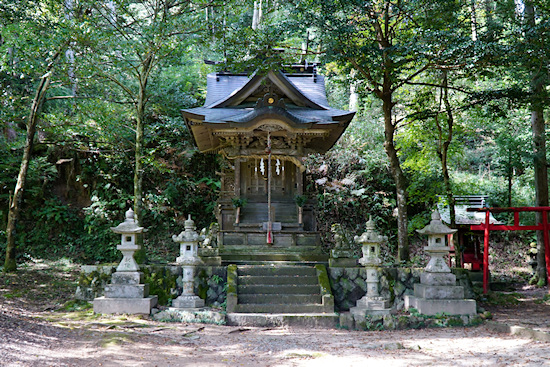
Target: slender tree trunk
[
  {"x": 539, "y": 145},
  {"x": 443, "y": 152},
  {"x": 10, "y": 263},
  {"x": 399, "y": 178},
  {"x": 140, "y": 117}
]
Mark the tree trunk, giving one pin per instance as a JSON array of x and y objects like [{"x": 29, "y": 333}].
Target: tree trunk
[
  {"x": 399, "y": 178},
  {"x": 444, "y": 143},
  {"x": 10, "y": 263},
  {"x": 140, "y": 117},
  {"x": 539, "y": 146}
]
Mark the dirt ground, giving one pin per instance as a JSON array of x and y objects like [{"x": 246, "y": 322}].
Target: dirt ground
[{"x": 38, "y": 328}]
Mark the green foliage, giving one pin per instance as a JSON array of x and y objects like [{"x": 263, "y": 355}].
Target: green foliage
[
  {"x": 76, "y": 305},
  {"x": 239, "y": 202},
  {"x": 300, "y": 200},
  {"x": 499, "y": 298},
  {"x": 162, "y": 283}
]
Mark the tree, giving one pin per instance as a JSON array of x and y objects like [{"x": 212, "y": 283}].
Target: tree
[
  {"x": 390, "y": 45},
  {"x": 130, "y": 42},
  {"x": 53, "y": 47},
  {"x": 536, "y": 37}
]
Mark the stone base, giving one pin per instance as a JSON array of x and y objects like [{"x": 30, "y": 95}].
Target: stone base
[
  {"x": 439, "y": 279},
  {"x": 373, "y": 303},
  {"x": 125, "y": 305},
  {"x": 127, "y": 290},
  {"x": 438, "y": 291},
  {"x": 127, "y": 277},
  {"x": 342, "y": 262},
  {"x": 359, "y": 313},
  {"x": 188, "y": 301},
  {"x": 370, "y": 306},
  {"x": 438, "y": 306}
]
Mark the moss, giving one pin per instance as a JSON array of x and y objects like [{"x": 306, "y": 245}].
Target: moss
[
  {"x": 499, "y": 298},
  {"x": 324, "y": 281},
  {"x": 232, "y": 279},
  {"x": 96, "y": 280},
  {"x": 455, "y": 321},
  {"x": 76, "y": 305},
  {"x": 161, "y": 282},
  {"x": 203, "y": 284}
]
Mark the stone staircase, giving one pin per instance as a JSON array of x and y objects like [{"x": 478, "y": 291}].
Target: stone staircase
[{"x": 274, "y": 295}]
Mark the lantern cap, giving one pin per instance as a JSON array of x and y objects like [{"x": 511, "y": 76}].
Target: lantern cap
[
  {"x": 436, "y": 226},
  {"x": 189, "y": 223},
  {"x": 370, "y": 235},
  {"x": 129, "y": 226}
]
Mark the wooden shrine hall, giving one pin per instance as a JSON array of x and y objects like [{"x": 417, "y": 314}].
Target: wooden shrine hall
[{"x": 264, "y": 125}]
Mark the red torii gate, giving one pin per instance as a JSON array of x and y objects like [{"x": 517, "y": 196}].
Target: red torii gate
[{"x": 486, "y": 227}]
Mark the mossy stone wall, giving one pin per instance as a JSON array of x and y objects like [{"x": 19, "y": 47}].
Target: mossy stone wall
[
  {"x": 349, "y": 285},
  {"x": 165, "y": 281}
]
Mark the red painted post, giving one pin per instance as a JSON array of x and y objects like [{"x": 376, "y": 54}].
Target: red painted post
[
  {"x": 486, "y": 253},
  {"x": 546, "y": 244}
]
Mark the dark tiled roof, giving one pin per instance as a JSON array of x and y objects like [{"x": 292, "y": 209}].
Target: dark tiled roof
[
  {"x": 222, "y": 86},
  {"x": 302, "y": 104}
]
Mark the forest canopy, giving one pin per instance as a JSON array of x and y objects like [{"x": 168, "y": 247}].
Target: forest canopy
[{"x": 450, "y": 98}]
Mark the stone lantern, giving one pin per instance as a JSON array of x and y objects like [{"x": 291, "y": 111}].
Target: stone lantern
[
  {"x": 126, "y": 293},
  {"x": 437, "y": 292},
  {"x": 128, "y": 244},
  {"x": 188, "y": 259},
  {"x": 371, "y": 303},
  {"x": 437, "y": 247}
]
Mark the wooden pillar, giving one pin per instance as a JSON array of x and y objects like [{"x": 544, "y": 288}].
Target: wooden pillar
[
  {"x": 299, "y": 181},
  {"x": 237, "y": 177},
  {"x": 486, "y": 253},
  {"x": 546, "y": 244}
]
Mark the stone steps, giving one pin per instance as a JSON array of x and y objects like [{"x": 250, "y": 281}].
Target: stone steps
[
  {"x": 277, "y": 280},
  {"x": 280, "y": 308},
  {"x": 276, "y": 289},
  {"x": 269, "y": 289},
  {"x": 300, "y": 320},
  {"x": 280, "y": 299},
  {"x": 238, "y": 257},
  {"x": 268, "y": 270}
]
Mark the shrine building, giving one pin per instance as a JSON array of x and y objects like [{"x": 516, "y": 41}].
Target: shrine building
[{"x": 264, "y": 125}]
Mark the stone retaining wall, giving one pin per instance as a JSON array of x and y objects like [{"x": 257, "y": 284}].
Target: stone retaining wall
[
  {"x": 347, "y": 284},
  {"x": 165, "y": 281}
]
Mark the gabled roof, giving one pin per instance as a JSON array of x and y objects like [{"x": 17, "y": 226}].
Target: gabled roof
[
  {"x": 236, "y": 101},
  {"x": 245, "y": 88}
]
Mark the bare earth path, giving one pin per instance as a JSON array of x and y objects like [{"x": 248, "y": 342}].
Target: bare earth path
[{"x": 34, "y": 331}]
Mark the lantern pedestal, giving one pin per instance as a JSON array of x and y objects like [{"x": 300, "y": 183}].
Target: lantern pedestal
[
  {"x": 437, "y": 292},
  {"x": 126, "y": 293},
  {"x": 371, "y": 304},
  {"x": 188, "y": 259}
]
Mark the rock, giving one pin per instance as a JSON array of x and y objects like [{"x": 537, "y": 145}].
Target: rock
[
  {"x": 352, "y": 273},
  {"x": 404, "y": 274},
  {"x": 361, "y": 284},
  {"x": 211, "y": 294},
  {"x": 389, "y": 322},
  {"x": 398, "y": 289},
  {"x": 336, "y": 273},
  {"x": 393, "y": 346},
  {"x": 346, "y": 321}
]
